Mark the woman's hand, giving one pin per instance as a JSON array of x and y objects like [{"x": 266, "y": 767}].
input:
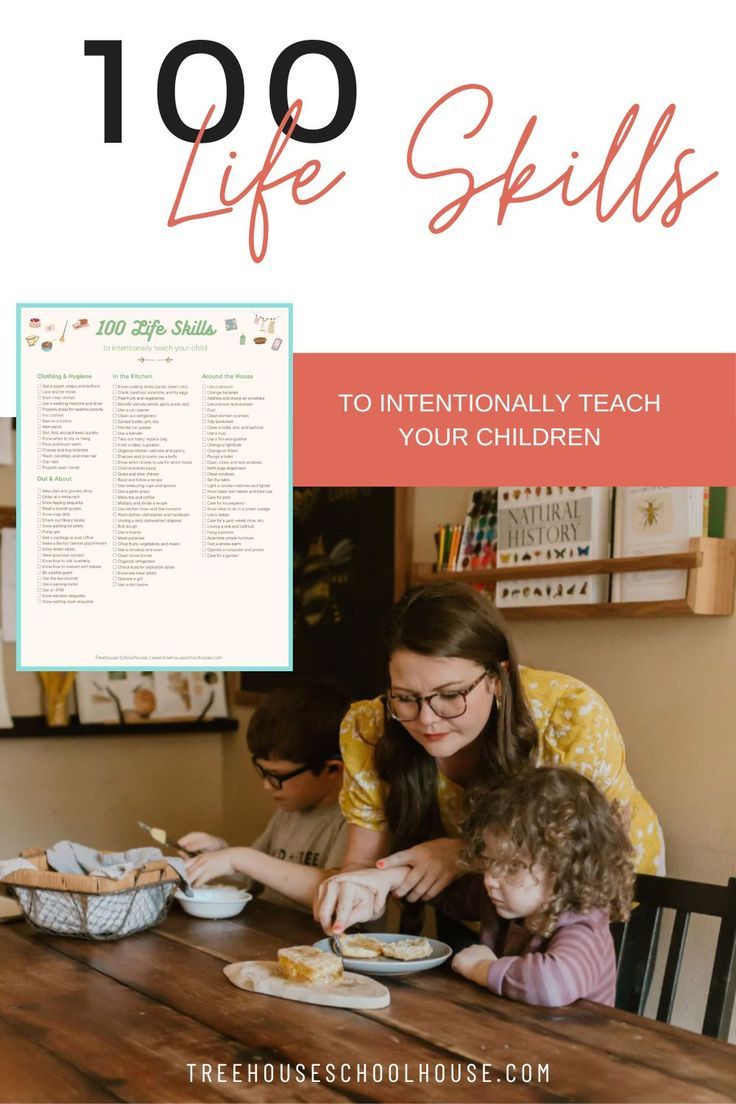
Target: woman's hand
[
  {"x": 473, "y": 963},
  {"x": 353, "y": 898},
  {"x": 211, "y": 864},
  {"x": 433, "y": 865},
  {"x": 195, "y": 842}
]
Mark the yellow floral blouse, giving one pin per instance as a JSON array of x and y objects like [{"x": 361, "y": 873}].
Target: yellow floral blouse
[{"x": 576, "y": 729}]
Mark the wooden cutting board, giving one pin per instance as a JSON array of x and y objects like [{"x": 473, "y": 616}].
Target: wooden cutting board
[
  {"x": 352, "y": 991},
  {"x": 9, "y": 909}
]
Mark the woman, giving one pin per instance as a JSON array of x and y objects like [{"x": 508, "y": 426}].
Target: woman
[{"x": 459, "y": 710}]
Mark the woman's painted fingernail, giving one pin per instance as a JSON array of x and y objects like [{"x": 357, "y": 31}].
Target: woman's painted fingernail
[{"x": 379, "y": 864}]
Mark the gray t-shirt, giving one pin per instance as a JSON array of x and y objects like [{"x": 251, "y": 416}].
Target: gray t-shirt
[{"x": 311, "y": 837}]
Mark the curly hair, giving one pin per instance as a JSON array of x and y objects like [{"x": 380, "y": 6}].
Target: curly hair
[
  {"x": 557, "y": 820},
  {"x": 451, "y": 619}
]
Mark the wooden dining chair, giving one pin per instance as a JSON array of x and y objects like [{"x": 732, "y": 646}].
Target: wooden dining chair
[{"x": 637, "y": 942}]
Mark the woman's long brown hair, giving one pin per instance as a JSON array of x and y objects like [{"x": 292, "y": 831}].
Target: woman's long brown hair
[{"x": 451, "y": 619}]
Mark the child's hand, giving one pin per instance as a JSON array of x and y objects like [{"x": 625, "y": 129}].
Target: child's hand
[
  {"x": 473, "y": 963},
  {"x": 211, "y": 864},
  {"x": 200, "y": 841}
]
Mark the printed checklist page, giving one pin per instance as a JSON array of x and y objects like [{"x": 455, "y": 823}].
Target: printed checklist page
[{"x": 154, "y": 472}]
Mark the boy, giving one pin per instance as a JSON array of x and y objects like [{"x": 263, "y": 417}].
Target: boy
[{"x": 294, "y": 743}]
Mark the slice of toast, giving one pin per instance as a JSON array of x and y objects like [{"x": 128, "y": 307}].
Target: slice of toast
[
  {"x": 361, "y": 946},
  {"x": 407, "y": 949}
]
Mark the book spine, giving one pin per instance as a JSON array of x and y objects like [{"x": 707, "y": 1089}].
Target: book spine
[{"x": 717, "y": 512}]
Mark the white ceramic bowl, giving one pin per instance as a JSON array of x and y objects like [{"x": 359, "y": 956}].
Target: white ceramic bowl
[{"x": 214, "y": 902}]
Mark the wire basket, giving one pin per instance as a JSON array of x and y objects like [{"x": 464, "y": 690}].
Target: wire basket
[{"x": 92, "y": 907}]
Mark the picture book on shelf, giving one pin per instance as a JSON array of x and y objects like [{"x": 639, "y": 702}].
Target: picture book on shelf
[
  {"x": 650, "y": 521},
  {"x": 558, "y": 525},
  {"x": 480, "y": 531}
]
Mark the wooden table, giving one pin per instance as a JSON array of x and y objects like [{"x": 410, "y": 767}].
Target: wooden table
[{"x": 133, "y": 1020}]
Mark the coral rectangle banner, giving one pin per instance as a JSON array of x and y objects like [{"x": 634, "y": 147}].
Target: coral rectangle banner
[{"x": 445, "y": 419}]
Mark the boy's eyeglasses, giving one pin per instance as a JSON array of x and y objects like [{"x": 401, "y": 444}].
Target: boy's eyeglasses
[
  {"x": 444, "y": 703},
  {"x": 277, "y": 780}
]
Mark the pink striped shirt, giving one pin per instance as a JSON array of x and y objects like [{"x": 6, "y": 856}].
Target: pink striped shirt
[{"x": 576, "y": 962}]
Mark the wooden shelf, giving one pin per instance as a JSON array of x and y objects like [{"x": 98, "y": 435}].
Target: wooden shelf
[
  {"x": 36, "y": 726},
  {"x": 710, "y": 563},
  {"x": 607, "y": 610}
]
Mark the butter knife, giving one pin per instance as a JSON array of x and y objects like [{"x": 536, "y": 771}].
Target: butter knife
[{"x": 160, "y": 836}]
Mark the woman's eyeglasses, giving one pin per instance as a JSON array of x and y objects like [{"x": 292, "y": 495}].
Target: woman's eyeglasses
[
  {"x": 277, "y": 780},
  {"x": 444, "y": 703}
]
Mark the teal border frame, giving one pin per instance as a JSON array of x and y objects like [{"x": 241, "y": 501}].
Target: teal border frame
[{"x": 289, "y": 307}]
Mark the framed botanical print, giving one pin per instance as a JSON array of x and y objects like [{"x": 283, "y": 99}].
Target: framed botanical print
[{"x": 133, "y": 697}]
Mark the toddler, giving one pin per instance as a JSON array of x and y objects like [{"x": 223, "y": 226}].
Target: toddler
[{"x": 558, "y": 868}]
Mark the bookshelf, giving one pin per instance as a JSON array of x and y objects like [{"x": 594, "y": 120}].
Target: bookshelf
[
  {"x": 710, "y": 563},
  {"x": 37, "y": 726}
]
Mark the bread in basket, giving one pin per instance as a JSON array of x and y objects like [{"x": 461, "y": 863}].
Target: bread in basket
[{"x": 88, "y": 906}]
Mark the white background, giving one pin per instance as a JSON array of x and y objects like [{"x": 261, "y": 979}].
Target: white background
[{"x": 87, "y": 221}]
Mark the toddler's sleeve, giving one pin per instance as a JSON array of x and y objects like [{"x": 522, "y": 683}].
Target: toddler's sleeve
[{"x": 568, "y": 970}]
